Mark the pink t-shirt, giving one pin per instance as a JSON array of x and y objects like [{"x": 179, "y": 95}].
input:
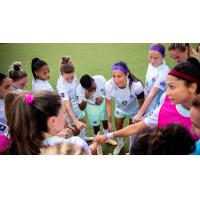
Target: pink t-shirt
[{"x": 168, "y": 114}]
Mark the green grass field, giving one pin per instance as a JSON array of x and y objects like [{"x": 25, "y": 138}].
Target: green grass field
[{"x": 91, "y": 58}]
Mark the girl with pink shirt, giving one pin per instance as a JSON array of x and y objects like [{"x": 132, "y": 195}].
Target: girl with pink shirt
[{"x": 183, "y": 84}]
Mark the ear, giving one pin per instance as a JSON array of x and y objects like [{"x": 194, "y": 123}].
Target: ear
[
  {"x": 193, "y": 88},
  {"x": 127, "y": 75},
  {"x": 51, "y": 123}
]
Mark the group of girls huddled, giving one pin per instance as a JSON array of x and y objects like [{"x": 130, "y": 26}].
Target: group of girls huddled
[{"x": 163, "y": 113}]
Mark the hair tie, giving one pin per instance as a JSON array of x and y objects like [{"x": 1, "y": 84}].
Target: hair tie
[
  {"x": 117, "y": 67},
  {"x": 29, "y": 98},
  {"x": 157, "y": 48}
]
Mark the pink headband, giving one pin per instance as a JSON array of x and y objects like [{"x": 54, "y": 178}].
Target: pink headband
[{"x": 29, "y": 98}]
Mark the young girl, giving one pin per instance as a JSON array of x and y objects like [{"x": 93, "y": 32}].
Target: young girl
[
  {"x": 195, "y": 118},
  {"x": 91, "y": 98},
  {"x": 41, "y": 74},
  {"x": 128, "y": 93},
  {"x": 183, "y": 84},
  {"x": 180, "y": 52},
  {"x": 36, "y": 121},
  {"x": 66, "y": 87},
  {"x": 155, "y": 80},
  {"x": 18, "y": 76},
  {"x": 5, "y": 88}
]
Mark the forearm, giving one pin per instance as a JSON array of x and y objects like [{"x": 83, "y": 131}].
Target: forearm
[
  {"x": 129, "y": 130},
  {"x": 70, "y": 111}
]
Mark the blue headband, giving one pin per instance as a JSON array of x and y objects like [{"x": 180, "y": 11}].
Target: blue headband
[
  {"x": 157, "y": 48},
  {"x": 117, "y": 67}
]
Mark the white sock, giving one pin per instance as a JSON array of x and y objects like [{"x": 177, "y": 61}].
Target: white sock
[{"x": 120, "y": 140}]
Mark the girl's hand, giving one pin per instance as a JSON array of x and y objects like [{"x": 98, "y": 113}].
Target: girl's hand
[
  {"x": 100, "y": 139},
  {"x": 65, "y": 133},
  {"x": 80, "y": 125},
  {"x": 70, "y": 126},
  {"x": 137, "y": 118},
  {"x": 99, "y": 101}
]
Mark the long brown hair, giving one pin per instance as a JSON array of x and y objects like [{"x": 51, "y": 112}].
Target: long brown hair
[{"x": 28, "y": 121}]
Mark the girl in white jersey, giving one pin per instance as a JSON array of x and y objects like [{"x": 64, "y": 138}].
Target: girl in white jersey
[
  {"x": 66, "y": 87},
  {"x": 41, "y": 74},
  {"x": 155, "y": 81},
  {"x": 128, "y": 93},
  {"x": 91, "y": 98},
  {"x": 18, "y": 77},
  {"x": 36, "y": 121}
]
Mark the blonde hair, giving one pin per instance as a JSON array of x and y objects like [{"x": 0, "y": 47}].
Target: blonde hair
[
  {"x": 62, "y": 149},
  {"x": 66, "y": 65},
  {"x": 16, "y": 72},
  {"x": 182, "y": 48}
]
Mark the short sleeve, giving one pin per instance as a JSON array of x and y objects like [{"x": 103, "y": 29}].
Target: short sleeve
[
  {"x": 109, "y": 87},
  {"x": 138, "y": 88},
  {"x": 152, "y": 120},
  {"x": 62, "y": 91}
]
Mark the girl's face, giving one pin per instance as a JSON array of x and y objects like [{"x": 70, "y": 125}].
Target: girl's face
[
  {"x": 5, "y": 87},
  {"x": 178, "y": 92},
  {"x": 120, "y": 78},
  {"x": 179, "y": 56},
  {"x": 21, "y": 83},
  {"x": 155, "y": 58},
  {"x": 43, "y": 73},
  {"x": 69, "y": 77},
  {"x": 195, "y": 118}
]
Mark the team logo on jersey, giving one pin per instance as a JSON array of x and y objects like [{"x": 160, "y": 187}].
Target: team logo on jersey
[
  {"x": 153, "y": 79},
  {"x": 95, "y": 122},
  {"x": 162, "y": 84},
  {"x": 131, "y": 96},
  {"x": 76, "y": 98},
  {"x": 124, "y": 102},
  {"x": 62, "y": 95},
  {"x": 102, "y": 89}
]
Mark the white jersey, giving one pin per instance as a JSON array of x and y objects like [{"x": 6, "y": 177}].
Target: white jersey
[
  {"x": 3, "y": 120},
  {"x": 39, "y": 85},
  {"x": 67, "y": 91},
  {"x": 156, "y": 77},
  {"x": 73, "y": 140},
  {"x": 100, "y": 90},
  {"x": 2, "y": 109},
  {"x": 126, "y": 98}
]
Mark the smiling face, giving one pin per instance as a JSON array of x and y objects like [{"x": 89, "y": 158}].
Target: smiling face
[
  {"x": 155, "y": 58},
  {"x": 179, "y": 56},
  {"x": 178, "y": 92},
  {"x": 195, "y": 118},
  {"x": 120, "y": 78},
  {"x": 43, "y": 73},
  {"x": 5, "y": 87}
]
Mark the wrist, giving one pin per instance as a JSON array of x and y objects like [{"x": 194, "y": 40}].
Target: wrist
[{"x": 110, "y": 135}]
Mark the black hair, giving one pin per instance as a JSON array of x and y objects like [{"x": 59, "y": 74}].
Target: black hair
[
  {"x": 132, "y": 78},
  {"x": 173, "y": 139},
  {"x": 86, "y": 81},
  {"x": 37, "y": 64},
  {"x": 2, "y": 77},
  {"x": 191, "y": 68}
]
